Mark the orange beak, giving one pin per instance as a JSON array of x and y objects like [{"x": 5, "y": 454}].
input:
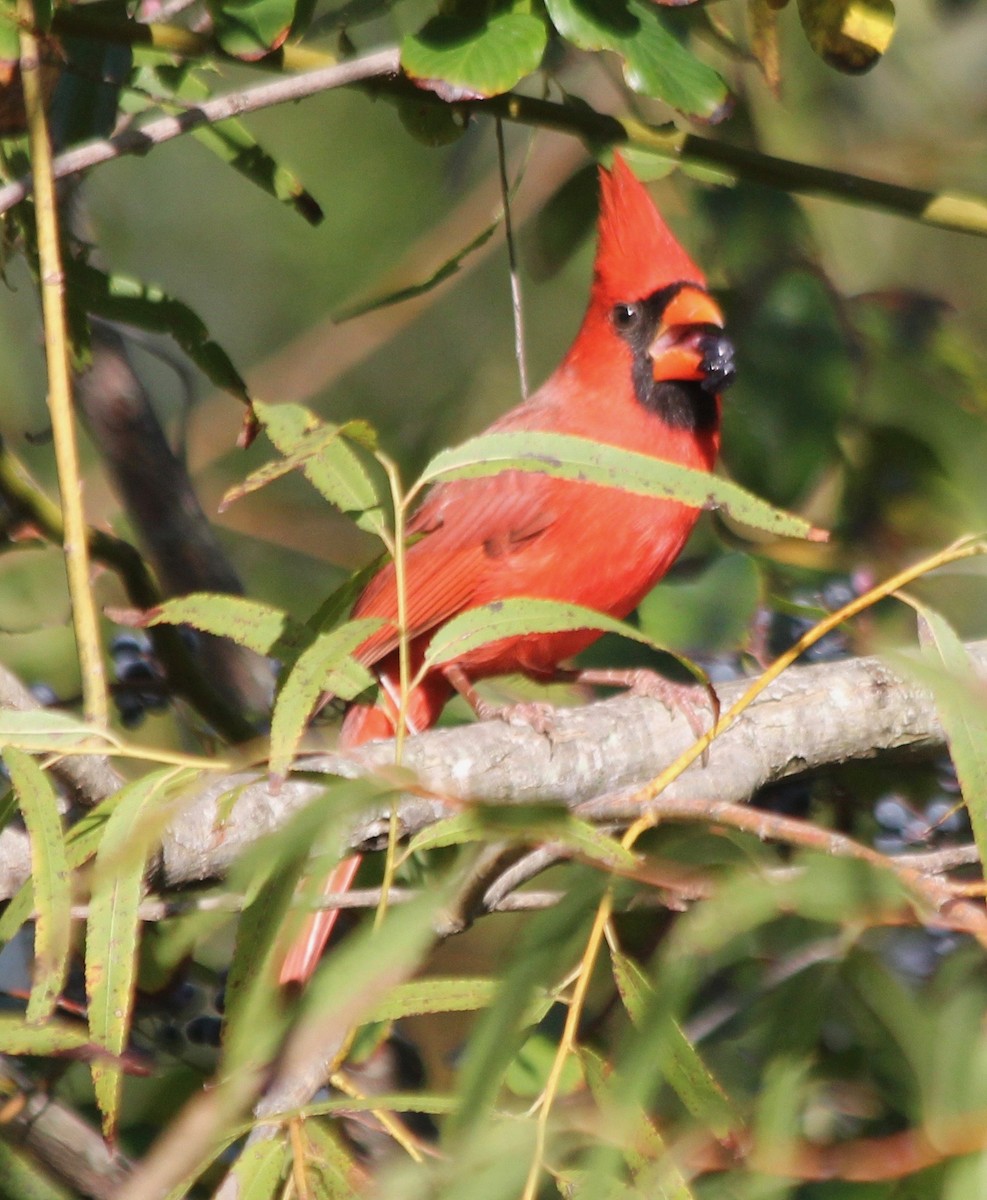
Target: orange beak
[{"x": 688, "y": 344}]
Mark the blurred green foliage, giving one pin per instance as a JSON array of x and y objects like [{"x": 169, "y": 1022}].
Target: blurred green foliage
[{"x": 803, "y": 995}]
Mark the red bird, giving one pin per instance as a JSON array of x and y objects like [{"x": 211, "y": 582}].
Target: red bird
[{"x": 644, "y": 373}]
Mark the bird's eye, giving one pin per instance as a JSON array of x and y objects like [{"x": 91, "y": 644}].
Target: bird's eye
[{"x": 625, "y": 316}]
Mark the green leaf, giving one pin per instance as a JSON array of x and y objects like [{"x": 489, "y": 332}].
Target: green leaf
[
  {"x": 260, "y": 627},
  {"x": 51, "y": 880},
  {"x": 325, "y": 459},
  {"x": 552, "y": 937},
  {"x": 946, "y": 669},
  {"x": 473, "y": 53},
  {"x": 564, "y": 456},
  {"x": 655, "y": 61},
  {"x": 526, "y": 823},
  {"x": 49, "y": 729},
  {"x": 449, "y": 268},
  {"x": 260, "y": 1169},
  {"x": 327, "y": 665},
  {"x": 251, "y": 29},
  {"x": 434, "y": 996},
  {"x": 87, "y": 94},
  {"x": 81, "y": 842},
  {"x": 119, "y": 298},
  {"x": 850, "y": 35},
  {"x": 113, "y": 926},
  {"x": 53, "y": 1037},
  {"x": 514, "y": 618},
  {"x": 10, "y": 34},
  {"x": 236, "y": 145},
  {"x": 685, "y": 1072}
]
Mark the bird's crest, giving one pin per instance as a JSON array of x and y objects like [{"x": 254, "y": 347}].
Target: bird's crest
[{"x": 636, "y": 253}]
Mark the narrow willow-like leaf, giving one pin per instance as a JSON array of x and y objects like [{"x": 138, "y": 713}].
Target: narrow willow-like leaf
[
  {"x": 327, "y": 665},
  {"x": 443, "y": 272},
  {"x": 564, "y": 456},
  {"x": 51, "y": 879},
  {"x": 118, "y": 298},
  {"x": 112, "y": 930},
  {"x": 334, "y": 469},
  {"x": 685, "y": 1072},
  {"x": 434, "y": 996},
  {"x": 236, "y": 145},
  {"x": 518, "y": 821},
  {"x": 959, "y": 698},
  {"x": 330, "y": 1163},
  {"x": 260, "y": 1169},
  {"x": 517, "y": 617},
  {"x": 81, "y": 843},
  {"x": 260, "y": 627},
  {"x": 48, "y": 729},
  {"x": 51, "y": 1038},
  {"x": 548, "y": 939}
]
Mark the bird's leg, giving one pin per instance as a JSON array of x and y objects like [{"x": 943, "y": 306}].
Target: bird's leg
[
  {"x": 640, "y": 681},
  {"x": 539, "y": 716}
]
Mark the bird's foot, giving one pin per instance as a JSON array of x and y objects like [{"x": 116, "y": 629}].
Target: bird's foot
[
  {"x": 687, "y": 698},
  {"x": 534, "y": 714}
]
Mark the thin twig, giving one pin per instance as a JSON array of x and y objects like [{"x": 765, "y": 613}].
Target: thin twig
[
  {"x": 505, "y": 195},
  {"x": 75, "y": 543},
  {"x": 140, "y": 139}
]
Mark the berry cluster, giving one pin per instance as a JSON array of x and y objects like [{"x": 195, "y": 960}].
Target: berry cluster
[{"x": 141, "y": 687}]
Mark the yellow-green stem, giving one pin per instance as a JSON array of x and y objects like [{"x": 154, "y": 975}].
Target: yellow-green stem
[
  {"x": 399, "y": 504},
  {"x": 52, "y": 279}
]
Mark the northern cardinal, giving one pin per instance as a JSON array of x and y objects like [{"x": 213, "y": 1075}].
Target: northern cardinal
[{"x": 644, "y": 373}]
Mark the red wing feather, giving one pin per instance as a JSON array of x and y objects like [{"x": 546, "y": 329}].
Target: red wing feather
[{"x": 473, "y": 522}]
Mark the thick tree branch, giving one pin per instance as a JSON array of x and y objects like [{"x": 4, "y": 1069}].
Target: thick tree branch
[{"x": 809, "y": 718}]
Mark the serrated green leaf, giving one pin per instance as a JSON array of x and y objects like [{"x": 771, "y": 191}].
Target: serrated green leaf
[
  {"x": 564, "y": 456},
  {"x": 850, "y": 35},
  {"x": 333, "y": 469},
  {"x": 260, "y": 1169},
  {"x": 434, "y": 996},
  {"x": 251, "y": 29},
  {"x": 51, "y": 882},
  {"x": 330, "y": 1163},
  {"x": 327, "y": 665},
  {"x": 81, "y": 842},
  {"x": 473, "y": 52},
  {"x": 685, "y": 1072},
  {"x": 655, "y": 61},
  {"x": 119, "y": 298},
  {"x": 260, "y": 627},
  {"x": 113, "y": 926},
  {"x": 517, "y": 617},
  {"x": 946, "y": 669},
  {"x": 53, "y": 1037}
]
